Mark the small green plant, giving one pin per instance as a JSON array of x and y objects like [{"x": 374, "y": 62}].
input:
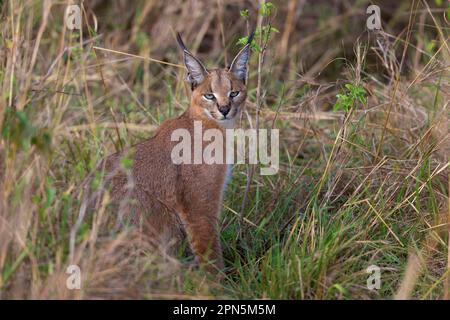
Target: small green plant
[
  {"x": 18, "y": 129},
  {"x": 266, "y": 9},
  {"x": 263, "y": 33},
  {"x": 244, "y": 13},
  {"x": 352, "y": 94}
]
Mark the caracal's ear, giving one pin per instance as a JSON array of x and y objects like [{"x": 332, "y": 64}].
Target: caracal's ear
[
  {"x": 196, "y": 70},
  {"x": 239, "y": 65}
]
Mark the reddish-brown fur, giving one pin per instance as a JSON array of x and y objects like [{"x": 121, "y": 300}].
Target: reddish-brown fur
[{"x": 172, "y": 199}]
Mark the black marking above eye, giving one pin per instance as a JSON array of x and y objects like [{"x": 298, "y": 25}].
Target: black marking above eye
[
  {"x": 234, "y": 94},
  {"x": 209, "y": 96}
]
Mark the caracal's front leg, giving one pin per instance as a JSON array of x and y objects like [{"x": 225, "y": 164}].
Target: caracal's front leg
[{"x": 203, "y": 235}]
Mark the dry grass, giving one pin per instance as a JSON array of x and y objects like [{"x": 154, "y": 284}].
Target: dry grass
[{"x": 362, "y": 186}]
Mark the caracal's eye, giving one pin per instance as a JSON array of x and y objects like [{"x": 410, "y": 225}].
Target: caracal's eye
[
  {"x": 209, "y": 96},
  {"x": 234, "y": 94}
]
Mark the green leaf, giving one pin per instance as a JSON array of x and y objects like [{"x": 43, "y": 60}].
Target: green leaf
[
  {"x": 351, "y": 94},
  {"x": 266, "y": 9},
  {"x": 244, "y": 13},
  {"x": 126, "y": 162},
  {"x": 50, "y": 195}
]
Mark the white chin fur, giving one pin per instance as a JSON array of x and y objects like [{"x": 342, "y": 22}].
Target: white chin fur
[
  {"x": 224, "y": 122},
  {"x": 227, "y": 123}
]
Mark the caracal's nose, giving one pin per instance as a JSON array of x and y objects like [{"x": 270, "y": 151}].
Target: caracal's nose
[{"x": 224, "y": 110}]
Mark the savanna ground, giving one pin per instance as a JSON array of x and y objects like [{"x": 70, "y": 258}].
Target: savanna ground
[{"x": 363, "y": 119}]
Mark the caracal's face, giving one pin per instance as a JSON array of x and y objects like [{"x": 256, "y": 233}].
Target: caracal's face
[
  {"x": 221, "y": 95},
  {"x": 218, "y": 94}
]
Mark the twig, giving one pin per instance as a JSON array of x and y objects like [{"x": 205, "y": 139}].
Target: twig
[
  {"x": 140, "y": 57},
  {"x": 251, "y": 168},
  {"x": 408, "y": 36}
]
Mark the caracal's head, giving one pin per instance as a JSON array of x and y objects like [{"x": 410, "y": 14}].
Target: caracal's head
[{"x": 217, "y": 94}]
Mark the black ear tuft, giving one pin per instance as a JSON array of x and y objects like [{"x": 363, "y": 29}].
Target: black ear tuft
[
  {"x": 250, "y": 37},
  {"x": 180, "y": 42}
]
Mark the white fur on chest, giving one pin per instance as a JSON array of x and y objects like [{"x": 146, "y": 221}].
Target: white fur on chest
[
  {"x": 229, "y": 124},
  {"x": 228, "y": 175}
]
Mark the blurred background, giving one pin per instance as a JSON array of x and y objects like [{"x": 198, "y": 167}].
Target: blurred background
[{"x": 363, "y": 120}]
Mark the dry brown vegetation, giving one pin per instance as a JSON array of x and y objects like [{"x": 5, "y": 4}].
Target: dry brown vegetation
[{"x": 364, "y": 185}]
